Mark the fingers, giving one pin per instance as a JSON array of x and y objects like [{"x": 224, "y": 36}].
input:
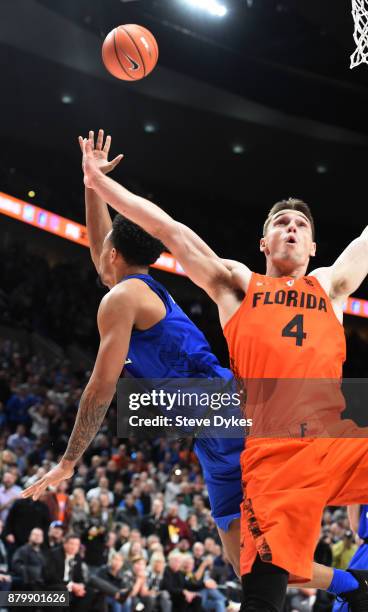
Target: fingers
[
  {"x": 80, "y": 140},
  {"x": 36, "y": 489},
  {"x": 107, "y": 146},
  {"x": 91, "y": 137},
  {"x": 87, "y": 146},
  {"x": 116, "y": 161},
  {"x": 100, "y": 138}
]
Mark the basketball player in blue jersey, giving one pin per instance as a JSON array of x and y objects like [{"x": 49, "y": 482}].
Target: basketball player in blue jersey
[
  {"x": 142, "y": 327},
  {"x": 358, "y": 517}
]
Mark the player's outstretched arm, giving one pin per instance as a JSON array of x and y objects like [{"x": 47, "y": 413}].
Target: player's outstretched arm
[
  {"x": 201, "y": 264},
  {"x": 98, "y": 218},
  {"x": 354, "y": 517},
  {"x": 97, "y": 396},
  {"x": 351, "y": 268}
]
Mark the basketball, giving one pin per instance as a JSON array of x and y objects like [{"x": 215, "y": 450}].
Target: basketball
[{"x": 130, "y": 52}]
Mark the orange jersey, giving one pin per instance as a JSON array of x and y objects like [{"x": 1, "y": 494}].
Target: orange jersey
[{"x": 287, "y": 329}]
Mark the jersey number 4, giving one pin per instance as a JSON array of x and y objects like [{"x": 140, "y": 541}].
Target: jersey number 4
[{"x": 294, "y": 329}]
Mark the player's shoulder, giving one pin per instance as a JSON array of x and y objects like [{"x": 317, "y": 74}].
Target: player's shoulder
[
  {"x": 122, "y": 296},
  {"x": 240, "y": 274},
  {"x": 324, "y": 277}
]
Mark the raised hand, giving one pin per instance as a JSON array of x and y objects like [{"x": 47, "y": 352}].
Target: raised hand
[{"x": 100, "y": 151}]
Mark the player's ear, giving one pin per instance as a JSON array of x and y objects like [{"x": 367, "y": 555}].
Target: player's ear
[
  {"x": 113, "y": 254},
  {"x": 313, "y": 249},
  {"x": 262, "y": 245}
]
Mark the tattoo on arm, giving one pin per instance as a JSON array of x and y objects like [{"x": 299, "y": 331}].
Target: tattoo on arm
[{"x": 90, "y": 416}]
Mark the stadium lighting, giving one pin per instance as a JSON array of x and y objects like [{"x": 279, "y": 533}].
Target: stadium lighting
[
  {"x": 238, "y": 149},
  {"x": 212, "y": 6},
  {"x": 150, "y": 128},
  {"x": 321, "y": 169},
  {"x": 67, "y": 99},
  {"x": 31, "y": 193}
]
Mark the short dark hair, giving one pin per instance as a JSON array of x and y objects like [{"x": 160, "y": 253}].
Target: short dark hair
[
  {"x": 290, "y": 204},
  {"x": 71, "y": 536},
  {"x": 134, "y": 243}
]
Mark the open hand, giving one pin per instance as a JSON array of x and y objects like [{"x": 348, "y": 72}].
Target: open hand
[
  {"x": 52, "y": 478},
  {"x": 100, "y": 152}
]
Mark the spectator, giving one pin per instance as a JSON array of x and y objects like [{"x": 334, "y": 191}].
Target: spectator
[
  {"x": 198, "y": 554},
  {"x": 40, "y": 422},
  {"x": 154, "y": 580},
  {"x": 110, "y": 545},
  {"x": 115, "y": 583},
  {"x": 59, "y": 504},
  {"x": 206, "y": 587},
  {"x": 65, "y": 569},
  {"x": 18, "y": 404},
  {"x": 106, "y": 512},
  {"x": 177, "y": 529},
  {"x": 93, "y": 537},
  {"x": 155, "y": 522},
  {"x": 140, "y": 593},
  {"x": 343, "y": 551},
  {"x": 5, "y": 577},
  {"x": 103, "y": 487},
  {"x": 8, "y": 460},
  {"x": 172, "y": 489},
  {"x": 79, "y": 511},
  {"x": 24, "y": 515},
  {"x": 128, "y": 512},
  {"x": 29, "y": 562},
  {"x": 175, "y": 584},
  {"x": 9, "y": 492},
  {"x": 56, "y": 534}
]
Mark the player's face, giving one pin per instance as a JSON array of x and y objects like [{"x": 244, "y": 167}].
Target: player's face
[
  {"x": 289, "y": 239},
  {"x": 106, "y": 265}
]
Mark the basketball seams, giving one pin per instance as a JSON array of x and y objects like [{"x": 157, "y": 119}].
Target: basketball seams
[
  {"x": 138, "y": 50},
  {"x": 118, "y": 58},
  {"x": 153, "y": 42}
]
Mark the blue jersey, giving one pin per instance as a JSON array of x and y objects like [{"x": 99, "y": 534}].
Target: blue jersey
[
  {"x": 363, "y": 523},
  {"x": 174, "y": 347}
]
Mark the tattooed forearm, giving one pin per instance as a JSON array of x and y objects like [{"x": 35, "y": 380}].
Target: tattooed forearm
[{"x": 91, "y": 413}]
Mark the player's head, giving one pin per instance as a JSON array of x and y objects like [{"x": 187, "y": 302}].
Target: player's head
[
  {"x": 288, "y": 236},
  {"x": 126, "y": 248}
]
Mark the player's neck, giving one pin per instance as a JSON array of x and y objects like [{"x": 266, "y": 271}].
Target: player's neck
[
  {"x": 129, "y": 271},
  {"x": 277, "y": 271}
]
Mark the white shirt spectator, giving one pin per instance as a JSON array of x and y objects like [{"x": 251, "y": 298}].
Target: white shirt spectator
[
  {"x": 40, "y": 424},
  {"x": 7, "y": 496},
  {"x": 96, "y": 492},
  {"x": 172, "y": 490}
]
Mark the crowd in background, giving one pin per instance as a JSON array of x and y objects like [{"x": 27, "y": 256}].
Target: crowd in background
[{"x": 132, "y": 530}]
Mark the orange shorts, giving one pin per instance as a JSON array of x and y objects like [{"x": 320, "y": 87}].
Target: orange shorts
[{"x": 287, "y": 484}]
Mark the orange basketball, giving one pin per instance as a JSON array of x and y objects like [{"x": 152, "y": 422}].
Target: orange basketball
[{"x": 130, "y": 52}]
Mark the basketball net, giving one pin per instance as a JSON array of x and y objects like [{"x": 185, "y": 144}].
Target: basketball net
[{"x": 360, "y": 16}]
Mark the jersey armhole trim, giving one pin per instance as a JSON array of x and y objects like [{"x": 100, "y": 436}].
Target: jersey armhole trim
[
  {"x": 341, "y": 324},
  {"x": 242, "y": 303}
]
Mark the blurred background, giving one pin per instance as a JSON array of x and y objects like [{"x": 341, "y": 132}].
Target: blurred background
[{"x": 252, "y": 101}]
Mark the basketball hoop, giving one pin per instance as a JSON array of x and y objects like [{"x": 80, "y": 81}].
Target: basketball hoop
[{"x": 360, "y": 16}]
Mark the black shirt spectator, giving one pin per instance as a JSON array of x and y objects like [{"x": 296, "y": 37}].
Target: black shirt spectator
[
  {"x": 24, "y": 515},
  {"x": 29, "y": 561},
  {"x": 176, "y": 585}
]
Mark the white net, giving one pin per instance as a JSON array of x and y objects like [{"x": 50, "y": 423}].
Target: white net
[{"x": 360, "y": 16}]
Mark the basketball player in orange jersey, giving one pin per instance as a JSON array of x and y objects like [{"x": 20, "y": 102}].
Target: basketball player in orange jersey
[{"x": 280, "y": 325}]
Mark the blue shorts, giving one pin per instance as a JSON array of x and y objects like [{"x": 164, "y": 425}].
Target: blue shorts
[
  {"x": 220, "y": 462},
  {"x": 358, "y": 561}
]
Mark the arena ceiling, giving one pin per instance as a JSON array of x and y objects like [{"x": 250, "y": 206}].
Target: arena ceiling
[{"x": 270, "y": 80}]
